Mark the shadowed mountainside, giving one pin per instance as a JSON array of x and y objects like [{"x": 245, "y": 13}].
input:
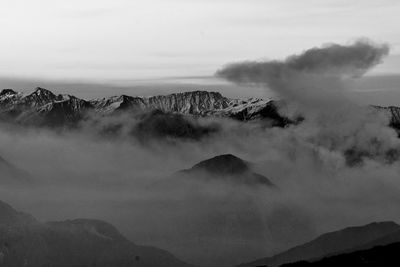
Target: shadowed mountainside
[
  {"x": 375, "y": 257},
  {"x": 345, "y": 240},
  {"x": 24, "y": 241}
]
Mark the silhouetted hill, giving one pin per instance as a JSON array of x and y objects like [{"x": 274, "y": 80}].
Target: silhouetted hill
[
  {"x": 227, "y": 168},
  {"x": 348, "y": 239},
  {"x": 380, "y": 256},
  {"x": 81, "y": 242}
]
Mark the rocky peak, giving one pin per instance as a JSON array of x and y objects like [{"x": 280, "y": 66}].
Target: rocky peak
[
  {"x": 7, "y": 92},
  {"x": 41, "y": 97},
  {"x": 43, "y": 91}
]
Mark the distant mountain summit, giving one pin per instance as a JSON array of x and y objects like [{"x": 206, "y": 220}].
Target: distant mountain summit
[
  {"x": 228, "y": 168},
  {"x": 226, "y": 164}
]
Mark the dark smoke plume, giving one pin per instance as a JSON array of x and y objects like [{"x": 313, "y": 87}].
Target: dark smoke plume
[
  {"x": 333, "y": 59},
  {"x": 316, "y": 74}
]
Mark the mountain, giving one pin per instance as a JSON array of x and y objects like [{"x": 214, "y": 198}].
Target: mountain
[
  {"x": 345, "y": 240},
  {"x": 379, "y": 256},
  {"x": 12, "y": 218},
  {"x": 24, "y": 241},
  {"x": 225, "y": 168},
  {"x": 194, "y": 103},
  {"x": 42, "y": 107}
]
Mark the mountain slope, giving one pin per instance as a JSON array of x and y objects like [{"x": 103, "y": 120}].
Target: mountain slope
[
  {"x": 374, "y": 257},
  {"x": 332, "y": 243},
  {"x": 82, "y": 242}
]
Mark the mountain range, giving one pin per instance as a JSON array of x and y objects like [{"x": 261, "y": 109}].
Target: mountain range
[{"x": 43, "y": 107}]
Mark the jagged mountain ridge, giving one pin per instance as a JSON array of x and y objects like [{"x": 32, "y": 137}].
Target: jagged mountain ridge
[{"x": 42, "y": 106}]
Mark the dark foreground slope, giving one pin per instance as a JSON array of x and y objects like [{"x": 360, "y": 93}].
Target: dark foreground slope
[
  {"x": 380, "y": 256},
  {"x": 82, "y": 242},
  {"x": 345, "y": 240}
]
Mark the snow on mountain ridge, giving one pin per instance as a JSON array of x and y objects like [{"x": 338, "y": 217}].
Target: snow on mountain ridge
[
  {"x": 195, "y": 102},
  {"x": 42, "y": 103}
]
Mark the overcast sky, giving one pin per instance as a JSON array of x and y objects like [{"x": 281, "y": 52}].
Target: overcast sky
[{"x": 123, "y": 40}]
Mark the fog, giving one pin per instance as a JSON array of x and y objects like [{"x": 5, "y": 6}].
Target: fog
[
  {"x": 337, "y": 168},
  {"x": 79, "y": 174}
]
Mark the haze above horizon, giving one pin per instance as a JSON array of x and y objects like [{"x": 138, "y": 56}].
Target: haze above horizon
[{"x": 122, "y": 41}]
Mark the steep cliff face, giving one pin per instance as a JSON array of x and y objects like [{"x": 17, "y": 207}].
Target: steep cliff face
[{"x": 194, "y": 103}]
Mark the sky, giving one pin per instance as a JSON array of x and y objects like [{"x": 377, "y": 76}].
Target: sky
[{"x": 122, "y": 41}]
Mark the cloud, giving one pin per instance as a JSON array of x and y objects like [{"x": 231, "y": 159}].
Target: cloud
[
  {"x": 315, "y": 83},
  {"x": 315, "y": 75}
]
